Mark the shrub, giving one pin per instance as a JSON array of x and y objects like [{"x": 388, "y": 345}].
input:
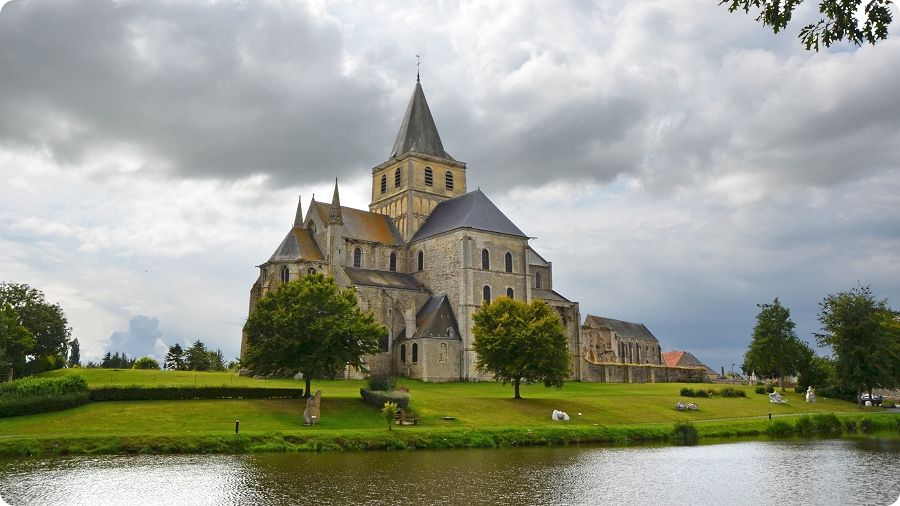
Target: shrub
[
  {"x": 732, "y": 392},
  {"x": 701, "y": 393},
  {"x": 770, "y": 389},
  {"x": 381, "y": 382},
  {"x": 146, "y": 363},
  {"x": 139, "y": 393},
  {"x": 684, "y": 433},
  {"x": 804, "y": 426},
  {"x": 687, "y": 392},
  {"x": 866, "y": 425},
  {"x": 828, "y": 424},
  {"x": 849, "y": 425},
  {"x": 377, "y": 398},
  {"x": 389, "y": 412},
  {"x": 760, "y": 389},
  {"x": 779, "y": 428}
]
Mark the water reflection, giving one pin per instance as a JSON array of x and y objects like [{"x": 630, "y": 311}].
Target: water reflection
[{"x": 824, "y": 472}]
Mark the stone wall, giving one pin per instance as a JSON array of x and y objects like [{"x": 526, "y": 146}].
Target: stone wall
[{"x": 633, "y": 373}]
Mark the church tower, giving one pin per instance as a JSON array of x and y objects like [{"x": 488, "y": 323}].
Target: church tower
[{"x": 419, "y": 174}]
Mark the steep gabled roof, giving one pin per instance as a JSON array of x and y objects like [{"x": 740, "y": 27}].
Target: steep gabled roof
[
  {"x": 622, "y": 328},
  {"x": 418, "y": 133},
  {"x": 363, "y": 225},
  {"x": 382, "y": 279},
  {"x": 472, "y": 210},
  {"x": 435, "y": 319},
  {"x": 298, "y": 244},
  {"x": 684, "y": 359}
]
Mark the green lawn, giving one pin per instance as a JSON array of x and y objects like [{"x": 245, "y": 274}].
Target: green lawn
[{"x": 472, "y": 405}]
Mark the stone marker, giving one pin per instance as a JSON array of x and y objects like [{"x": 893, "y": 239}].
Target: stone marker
[{"x": 311, "y": 413}]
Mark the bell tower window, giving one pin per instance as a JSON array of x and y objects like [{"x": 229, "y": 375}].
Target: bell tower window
[
  {"x": 429, "y": 177},
  {"x": 448, "y": 180},
  {"x": 383, "y": 183},
  {"x": 397, "y": 178}
]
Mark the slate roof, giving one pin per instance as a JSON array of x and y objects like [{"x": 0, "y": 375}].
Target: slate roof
[
  {"x": 433, "y": 320},
  {"x": 298, "y": 244},
  {"x": 363, "y": 225},
  {"x": 622, "y": 328},
  {"x": 472, "y": 210},
  {"x": 549, "y": 295},
  {"x": 418, "y": 132},
  {"x": 383, "y": 279}
]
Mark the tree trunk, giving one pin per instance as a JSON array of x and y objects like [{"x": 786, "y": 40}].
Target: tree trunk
[
  {"x": 859, "y": 396},
  {"x": 781, "y": 381},
  {"x": 306, "y": 393},
  {"x": 516, "y": 385}
]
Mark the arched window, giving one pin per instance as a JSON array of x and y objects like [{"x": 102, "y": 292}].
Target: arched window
[
  {"x": 357, "y": 257},
  {"x": 383, "y": 183},
  {"x": 402, "y": 353},
  {"x": 393, "y": 262},
  {"x": 311, "y": 270},
  {"x": 421, "y": 261},
  {"x": 509, "y": 293},
  {"x": 537, "y": 280},
  {"x": 485, "y": 259},
  {"x": 448, "y": 180},
  {"x": 415, "y": 353},
  {"x": 285, "y": 274},
  {"x": 429, "y": 177},
  {"x": 397, "y": 178},
  {"x": 508, "y": 261},
  {"x": 486, "y": 294}
]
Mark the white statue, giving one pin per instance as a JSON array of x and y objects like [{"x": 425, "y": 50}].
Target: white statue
[
  {"x": 776, "y": 398},
  {"x": 559, "y": 416},
  {"x": 810, "y": 394}
]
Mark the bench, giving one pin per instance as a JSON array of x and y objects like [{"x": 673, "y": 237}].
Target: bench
[{"x": 406, "y": 418}]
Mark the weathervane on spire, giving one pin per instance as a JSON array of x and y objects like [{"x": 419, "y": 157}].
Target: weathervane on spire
[{"x": 418, "y": 61}]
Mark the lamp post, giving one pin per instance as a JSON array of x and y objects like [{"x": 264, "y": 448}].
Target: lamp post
[{"x": 732, "y": 374}]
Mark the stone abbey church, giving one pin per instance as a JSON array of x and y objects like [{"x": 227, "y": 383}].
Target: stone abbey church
[{"x": 426, "y": 254}]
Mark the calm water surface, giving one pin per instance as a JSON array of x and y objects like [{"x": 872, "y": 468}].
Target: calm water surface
[{"x": 756, "y": 473}]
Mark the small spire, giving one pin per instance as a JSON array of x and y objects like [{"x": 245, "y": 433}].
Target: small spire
[
  {"x": 334, "y": 211},
  {"x": 418, "y": 61},
  {"x": 298, "y": 218}
]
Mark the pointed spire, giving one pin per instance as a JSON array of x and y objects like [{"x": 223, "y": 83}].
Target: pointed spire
[
  {"x": 298, "y": 218},
  {"x": 417, "y": 131},
  {"x": 334, "y": 210}
]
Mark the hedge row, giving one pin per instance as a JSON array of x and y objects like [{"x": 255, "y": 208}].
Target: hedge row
[
  {"x": 377, "y": 398},
  {"x": 170, "y": 393},
  {"x": 43, "y": 387},
  {"x": 725, "y": 392},
  {"x": 32, "y": 405}
]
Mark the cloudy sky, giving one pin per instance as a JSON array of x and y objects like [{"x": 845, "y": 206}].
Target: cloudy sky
[{"x": 678, "y": 164}]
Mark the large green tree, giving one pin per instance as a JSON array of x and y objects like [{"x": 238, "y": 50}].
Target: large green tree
[
  {"x": 864, "y": 336},
  {"x": 312, "y": 327},
  {"x": 74, "y": 354},
  {"x": 841, "y": 19},
  {"x": 775, "y": 351},
  {"x": 47, "y": 324},
  {"x": 519, "y": 342},
  {"x": 174, "y": 358},
  {"x": 196, "y": 357},
  {"x": 16, "y": 342}
]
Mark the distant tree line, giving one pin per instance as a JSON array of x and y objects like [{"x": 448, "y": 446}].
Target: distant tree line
[
  {"x": 863, "y": 333},
  {"x": 195, "y": 358}
]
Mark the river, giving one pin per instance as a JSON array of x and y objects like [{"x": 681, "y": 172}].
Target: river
[{"x": 826, "y": 472}]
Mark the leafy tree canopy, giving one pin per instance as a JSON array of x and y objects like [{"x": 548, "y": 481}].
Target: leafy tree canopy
[
  {"x": 309, "y": 326},
  {"x": 521, "y": 342},
  {"x": 196, "y": 358},
  {"x": 74, "y": 354},
  {"x": 775, "y": 351},
  {"x": 47, "y": 324},
  {"x": 146, "y": 363},
  {"x": 842, "y": 19},
  {"x": 864, "y": 334}
]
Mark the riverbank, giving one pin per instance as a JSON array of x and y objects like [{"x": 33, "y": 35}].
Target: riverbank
[
  {"x": 450, "y": 415},
  {"x": 412, "y": 438}
]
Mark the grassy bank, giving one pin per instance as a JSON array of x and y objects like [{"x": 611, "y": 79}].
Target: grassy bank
[{"x": 452, "y": 415}]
